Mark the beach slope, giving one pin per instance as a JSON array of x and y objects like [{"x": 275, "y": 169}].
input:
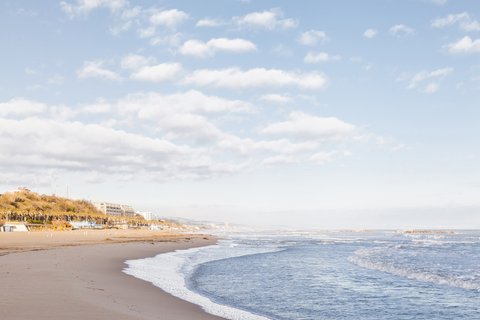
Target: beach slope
[{"x": 81, "y": 277}]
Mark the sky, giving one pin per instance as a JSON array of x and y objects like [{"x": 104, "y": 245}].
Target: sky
[{"x": 300, "y": 114}]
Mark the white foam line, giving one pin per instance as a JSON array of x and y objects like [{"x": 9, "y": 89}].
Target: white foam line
[
  {"x": 360, "y": 259},
  {"x": 163, "y": 272}
]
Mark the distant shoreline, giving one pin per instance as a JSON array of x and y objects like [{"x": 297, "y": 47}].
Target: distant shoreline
[{"x": 79, "y": 276}]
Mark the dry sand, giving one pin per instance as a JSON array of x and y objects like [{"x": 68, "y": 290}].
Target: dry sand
[{"x": 79, "y": 276}]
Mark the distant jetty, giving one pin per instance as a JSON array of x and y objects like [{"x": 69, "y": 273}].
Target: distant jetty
[
  {"x": 356, "y": 231},
  {"x": 425, "y": 231}
]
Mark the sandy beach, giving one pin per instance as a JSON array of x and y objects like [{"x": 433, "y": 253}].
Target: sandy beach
[{"x": 78, "y": 275}]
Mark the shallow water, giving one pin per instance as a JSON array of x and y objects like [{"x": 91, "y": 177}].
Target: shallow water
[{"x": 326, "y": 275}]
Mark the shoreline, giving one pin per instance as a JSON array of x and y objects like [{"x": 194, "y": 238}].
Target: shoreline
[{"x": 78, "y": 276}]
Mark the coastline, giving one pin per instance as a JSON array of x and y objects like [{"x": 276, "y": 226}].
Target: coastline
[{"x": 78, "y": 276}]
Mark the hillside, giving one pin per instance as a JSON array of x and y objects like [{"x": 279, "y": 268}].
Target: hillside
[{"x": 24, "y": 206}]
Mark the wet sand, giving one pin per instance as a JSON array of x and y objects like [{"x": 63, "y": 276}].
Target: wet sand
[{"x": 79, "y": 276}]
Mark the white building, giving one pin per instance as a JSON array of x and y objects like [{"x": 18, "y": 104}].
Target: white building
[
  {"x": 127, "y": 211},
  {"x": 146, "y": 215},
  {"x": 114, "y": 209}
]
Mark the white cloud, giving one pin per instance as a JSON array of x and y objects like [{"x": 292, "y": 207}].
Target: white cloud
[
  {"x": 36, "y": 143},
  {"x": 381, "y": 141},
  {"x": 370, "y": 33},
  {"x": 312, "y": 37},
  {"x": 169, "y": 18},
  {"x": 33, "y": 87},
  {"x": 172, "y": 40},
  {"x": 201, "y": 49},
  {"x": 110, "y": 123},
  {"x": 56, "y": 79},
  {"x": 146, "y": 33},
  {"x": 280, "y": 159},
  {"x": 181, "y": 115},
  {"x": 367, "y": 137},
  {"x": 159, "y": 73},
  {"x": 22, "y": 11},
  {"x": 465, "y": 46},
  {"x": 282, "y": 50},
  {"x": 124, "y": 27},
  {"x": 310, "y": 99},
  {"x": 420, "y": 76},
  {"x": 364, "y": 137},
  {"x": 30, "y": 71},
  {"x": 303, "y": 125},
  {"x": 190, "y": 101},
  {"x": 403, "y": 76},
  {"x": 248, "y": 147},
  {"x": 83, "y": 7},
  {"x": 321, "y": 158},
  {"x": 134, "y": 62},
  {"x": 62, "y": 112},
  {"x": 431, "y": 88},
  {"x": 128, "y": 14},
  {"x": 466, "y": 23},
  {"x": 401, "y": 29},
  {"x": 439, "y": 2},
  {"x": 207, "y": 22},
  {"x": 267, "y": 19},
  {"x": 93, "y": 69},
  {"x": 100, "y": 106},
  {"x": 235, "y": 78},
  {"x": 399, "y": 147},
  {"x": 21, "y": 107},
  {"x": 313, "y": 57},
  {"x": 95, "y": 177},
  {"x": 74, "y": 146},
  {"x": 276, "y": 98}
]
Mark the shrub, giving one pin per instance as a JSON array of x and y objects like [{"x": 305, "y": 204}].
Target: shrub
[{"x": 35, "y": 221}]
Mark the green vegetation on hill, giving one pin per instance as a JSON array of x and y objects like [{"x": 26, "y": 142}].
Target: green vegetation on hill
[
  {"x": 31, "y": 201},
  {"x": 34, "y": 208},
  {"x": 25, "y": 206}
]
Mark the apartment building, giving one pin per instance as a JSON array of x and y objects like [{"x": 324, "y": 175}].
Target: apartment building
[
  {"x": 147, "y": 215},
  {"x": 114, "y": 209},
  {"x": 128, "y": 211}
]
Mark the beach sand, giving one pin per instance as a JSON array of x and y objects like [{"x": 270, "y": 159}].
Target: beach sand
[{"x": 73, "y": 275}]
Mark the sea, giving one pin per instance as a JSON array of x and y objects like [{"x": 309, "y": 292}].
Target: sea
[{"x": 325, "y": 275}]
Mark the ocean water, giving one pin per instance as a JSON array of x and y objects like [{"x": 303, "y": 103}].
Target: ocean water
[{"x": 325, "y": 275}]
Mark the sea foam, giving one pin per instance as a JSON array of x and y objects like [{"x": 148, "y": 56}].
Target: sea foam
[
  {"x": 169, "y": 271},
  {"x": 380, "y": 259}
]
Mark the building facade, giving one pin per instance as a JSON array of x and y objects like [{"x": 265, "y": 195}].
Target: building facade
[
  {"x": 146, "y": 215},
  {"x": 113, "y": 209},
  {"x": 127, "y": 211}
]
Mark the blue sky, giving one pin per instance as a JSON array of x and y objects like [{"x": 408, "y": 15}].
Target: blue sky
[{"x": 317, "y": 114}]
